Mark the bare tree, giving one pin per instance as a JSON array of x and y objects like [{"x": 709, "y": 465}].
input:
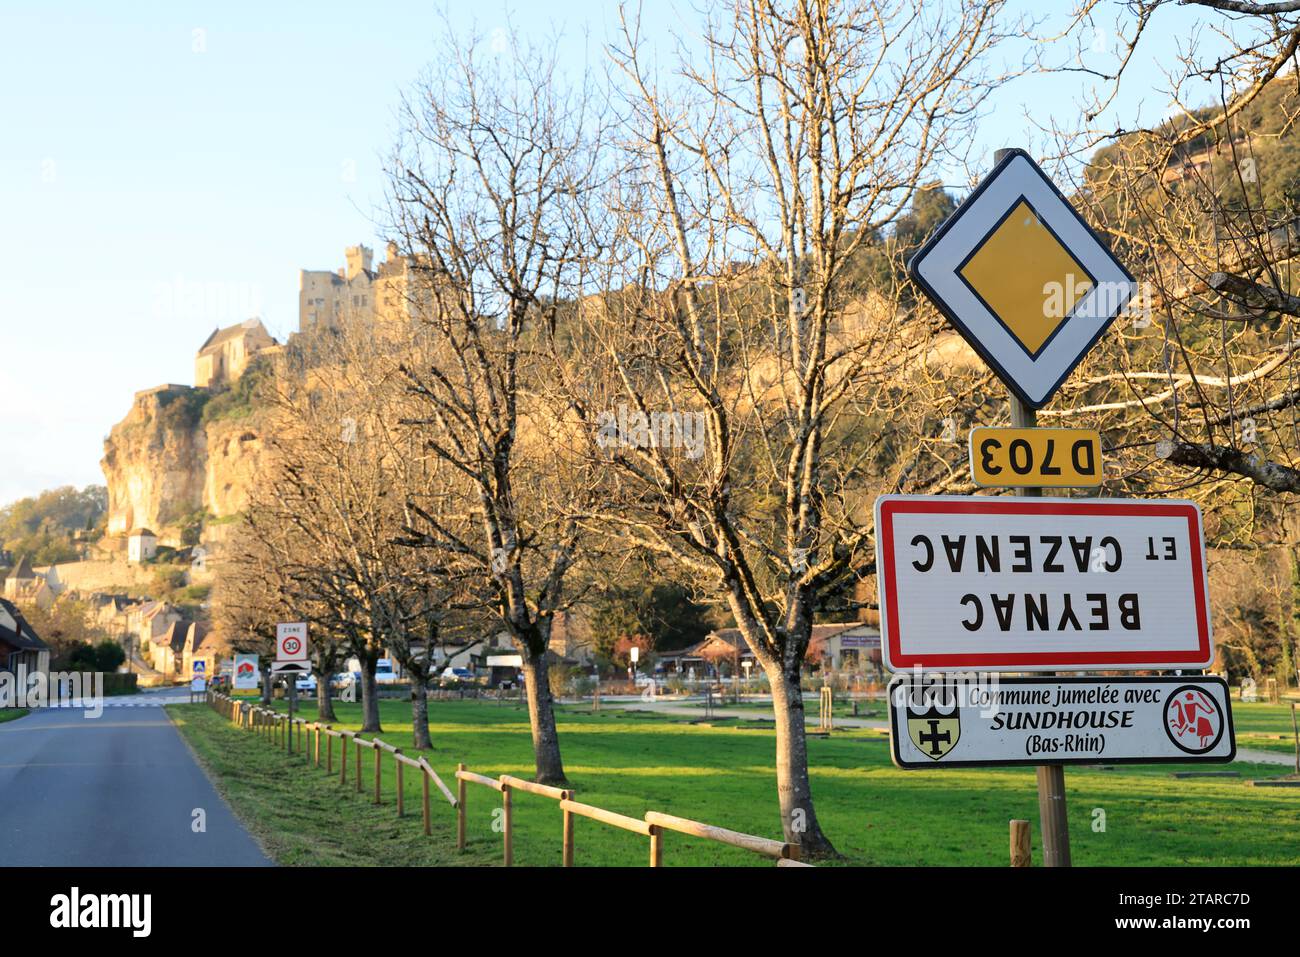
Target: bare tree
[
  {"x": 494, "y": 155},
  {"x": 741, "y": 348}
]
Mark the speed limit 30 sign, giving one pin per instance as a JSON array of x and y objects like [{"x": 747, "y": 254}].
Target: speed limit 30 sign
[{"x": 291, "y": 641}]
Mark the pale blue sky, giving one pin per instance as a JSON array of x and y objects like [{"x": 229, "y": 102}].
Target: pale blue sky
[{"x": 156, "y": 181}]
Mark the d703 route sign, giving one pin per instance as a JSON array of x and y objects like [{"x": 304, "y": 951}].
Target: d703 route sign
[
  {"x": 1019, "y": 584},
  {"x": 1056, "y": 458},
  {"x": 952, "y": 722}
]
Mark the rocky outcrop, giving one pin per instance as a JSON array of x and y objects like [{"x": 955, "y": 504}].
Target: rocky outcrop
[
  {"x": 168, "y": 469},
  {"x": 235, "y": 453}
]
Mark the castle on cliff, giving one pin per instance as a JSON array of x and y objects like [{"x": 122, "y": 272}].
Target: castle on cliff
[{"x": 167, "y": 462}]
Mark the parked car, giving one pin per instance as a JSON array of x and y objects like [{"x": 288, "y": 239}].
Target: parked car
[
  {"x": 306, "y": 684},
  {"x": 451, "y": 676},
  {"x": 385, "y": 673},
  {"x": 345, "y": 679}
]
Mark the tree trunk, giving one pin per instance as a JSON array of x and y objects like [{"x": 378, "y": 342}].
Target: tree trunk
[
  {"x": 324, "y": 700},
  {"x": 420, "y": 711},
  {"x": 369, "y": 696},
  {"x": 541, "y": 716},
  {"x": 266, "y": 687},
  {"x": 798, "y": 818}
]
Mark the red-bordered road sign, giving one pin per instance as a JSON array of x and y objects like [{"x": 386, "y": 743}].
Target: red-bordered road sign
[
  {"x": 291, "y": 641},
  {"x": 1019, "y": 584}
]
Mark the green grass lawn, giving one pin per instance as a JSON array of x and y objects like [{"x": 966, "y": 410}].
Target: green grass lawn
[
  {"x": 1259, "y": 725},
  {"x": 303, "y": 816},
  {"x": 11, "y": 714},
  {"x": 634, "y": 762}
]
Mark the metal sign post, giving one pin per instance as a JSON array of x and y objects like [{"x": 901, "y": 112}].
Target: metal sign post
[
  {"x": 1052, "y": 811},
  {"x": 293, "y": 701}
]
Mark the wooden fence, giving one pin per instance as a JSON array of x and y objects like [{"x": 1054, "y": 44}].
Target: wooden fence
[{"x": 308, "y": 737}]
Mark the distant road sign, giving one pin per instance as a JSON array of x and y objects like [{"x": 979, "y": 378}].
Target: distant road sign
[
  {"x": 1023, "y": 278},
  {"x": 1042, "y": 720},
  {"x": 246, "y": 673},
  {"x": 1058, "y": 458},
  {"x": 1022, "y": 584},
  {"x": 200, "y": 667},
  {"x": 291, "y": 641}
]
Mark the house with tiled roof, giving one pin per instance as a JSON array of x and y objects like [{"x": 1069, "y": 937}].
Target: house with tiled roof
[
  {"x": 201, "y": 644},
  {"x": 20, "y": 646},
  {"x": 149, "y": 621},
  {"x": 25, "y": 584},
  {"x": 141, "y": 545},
  {"x": 167, "y": 651},
  {"x": 849, "y": 644}
]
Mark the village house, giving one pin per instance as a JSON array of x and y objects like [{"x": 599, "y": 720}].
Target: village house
[
  {"x": 167, "y": 651},
  {"x": 148, "y": 622},
  {"x": 225, "y": 355},
  {"x": 141, "y": 545},
  {"x": 851, "y": 645},
  {"x": 27, "y": 585},
  {"x": 19, "y": 645},
  {"x": 201, "y": 644}
]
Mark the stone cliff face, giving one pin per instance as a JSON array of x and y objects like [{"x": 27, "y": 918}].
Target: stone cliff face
[
  {"x": 165, "y": 467},
  {"x": 235, "y": 454}
]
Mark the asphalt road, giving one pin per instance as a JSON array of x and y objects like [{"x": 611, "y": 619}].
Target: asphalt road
[{"x": 119, "y": 790}]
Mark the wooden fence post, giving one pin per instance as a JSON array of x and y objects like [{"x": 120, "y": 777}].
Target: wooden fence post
[
  {"x": 460, "y": 810},
  {"x": 329, "y": 751},
  {"x": 343, "y": 759},
  {"x": 1020, "y": 847},
  {"x": 401, "y": 798},
  {"x": 566, "y": 855},
  {"x": 424, "y": 783},
  {"x": 356, "y": 750},
  {"x": 656, "y": 846},
  {"x": 378, "y": 755},
  {"x": 509, "y": 829}
]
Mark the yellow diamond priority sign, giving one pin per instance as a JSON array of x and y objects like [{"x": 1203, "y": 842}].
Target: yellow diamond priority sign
[{"x": 1024, "y": 280}]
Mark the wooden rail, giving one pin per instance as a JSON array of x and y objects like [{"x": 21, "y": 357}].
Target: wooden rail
[
  {"x": 280, "y": 731},
  {"x": 614, "y": 819},
  {"x": 748, "y": 842}
]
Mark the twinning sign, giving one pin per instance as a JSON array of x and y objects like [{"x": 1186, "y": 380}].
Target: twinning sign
[{"x": 1042, "y": 720}]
